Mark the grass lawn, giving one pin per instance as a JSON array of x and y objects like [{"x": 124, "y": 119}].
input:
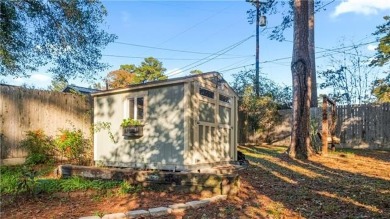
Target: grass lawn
[{"x": 344, "y": 184}]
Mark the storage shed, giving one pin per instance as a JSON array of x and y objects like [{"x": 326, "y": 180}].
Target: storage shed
[{"x": 187, "y": 123}]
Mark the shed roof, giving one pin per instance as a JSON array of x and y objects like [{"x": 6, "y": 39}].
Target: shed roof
[{"x": 163, "y": 83}]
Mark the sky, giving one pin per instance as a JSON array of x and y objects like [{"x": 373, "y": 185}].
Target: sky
[{"x": 216, "y": 36}]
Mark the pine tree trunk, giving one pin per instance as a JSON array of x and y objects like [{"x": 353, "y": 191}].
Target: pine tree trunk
[
  {"x": 300, "y": 146},
  {"x": 314, "y": 100}
]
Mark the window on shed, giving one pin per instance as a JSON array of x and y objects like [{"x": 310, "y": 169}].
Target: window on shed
[
  {"x": 224, "y": 98},
  {"x": 224, "y": 115},
  {"x": 131, "y": 108},
  {"x": 140, "y": 108},
  {"x": 136, "y": 108},
  {"x": 206, "y": 112},
  {"x": 206, "y": 93}
]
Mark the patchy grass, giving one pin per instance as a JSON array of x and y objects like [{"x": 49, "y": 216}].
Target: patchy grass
[
  {"x": 12, "y": 175},
  {"x": 344, "y": 184}
]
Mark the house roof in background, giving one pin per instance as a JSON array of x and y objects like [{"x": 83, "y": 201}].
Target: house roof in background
[{"x": 82, "y": 90}]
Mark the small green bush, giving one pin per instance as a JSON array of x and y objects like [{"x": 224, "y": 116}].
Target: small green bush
[
  {"x": 72, "y": 145},
  {"x": 39, "y": 147},
  {"x": 127, "y": 188},
  {"x": 130, "y": 122},
  {"x": 36, "y": 159},
  {"x": 9, "y": 179},
  {"x": 27, "y": 181}
]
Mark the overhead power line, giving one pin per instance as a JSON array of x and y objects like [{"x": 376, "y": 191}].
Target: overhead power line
[
  {"x": 334, "y": 50},
  {"x": 167, "y": 58},
  {"x": 193, "y": 26},
  {"x": 238, "y": 67},
  {"x": 167, "y": 49},
  {"x": 210, "y": 57}
]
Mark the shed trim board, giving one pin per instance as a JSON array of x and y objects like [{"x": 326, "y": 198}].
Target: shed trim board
[
  {"x": 184, "y": 128},
  {"x": 165, "y": 82}
]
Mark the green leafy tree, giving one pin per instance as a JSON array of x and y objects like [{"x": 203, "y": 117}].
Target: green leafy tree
[
  {"x": 196, "y": 72},
  {"x": 281, "y": 95},
  {"x": 58, "y": 84},
  {"x": 261, "y": 113},
  {"x": 66, "y": 34},
  {"x": 150, "y": 70},
  {"x": 381, "y": 89},
  {"x": 129, "y": 68},
  {"x": 383, "y": 52},
  {"x": 98, "y": 85}
]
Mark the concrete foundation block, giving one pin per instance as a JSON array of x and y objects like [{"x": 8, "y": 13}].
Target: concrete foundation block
[
  {"x": 198, "y": 204},
  {"x": 179, "y": 207},
  {"x": 138, "y": 214},
  {"x": 216, "y": 198},
  {"x": 160, "y": 211},
  {"x": 90, "y": 217},
  {"x": 114, "y": 216}
]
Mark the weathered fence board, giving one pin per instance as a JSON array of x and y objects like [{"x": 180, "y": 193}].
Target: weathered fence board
[
  {"x": 24, "y": 110},
  {"x": 358, "y": 126}
]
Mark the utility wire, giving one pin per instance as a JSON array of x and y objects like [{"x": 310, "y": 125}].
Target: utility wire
[
  {"x": 164, "y": 58},
  {"x": 210, "y": 57},
  {"x": 167, "y": 49},
  {"x": 235, "y": 63},
  {"x": 335, "y": 50},
  {"x": 195, "y": 25}
]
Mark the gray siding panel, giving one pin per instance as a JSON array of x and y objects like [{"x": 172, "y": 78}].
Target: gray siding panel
[{"x": 163, "y": 140}]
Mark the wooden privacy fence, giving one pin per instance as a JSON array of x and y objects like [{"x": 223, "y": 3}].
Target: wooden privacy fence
[
  {"x": 358, "y": 126},
  {"x": 24, "y": 110},
  {"x": 364, "y": 126}
]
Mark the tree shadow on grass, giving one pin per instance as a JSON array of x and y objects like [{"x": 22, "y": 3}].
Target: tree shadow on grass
[
  {"x": 315, "y": 190},
  {"x": 380, "y": 154}
]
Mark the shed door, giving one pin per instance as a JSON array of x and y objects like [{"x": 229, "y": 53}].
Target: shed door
[{"x": 215, "y": 123}]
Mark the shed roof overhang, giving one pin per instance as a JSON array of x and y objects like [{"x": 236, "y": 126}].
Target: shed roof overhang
[{"x": 160, "y": 83}]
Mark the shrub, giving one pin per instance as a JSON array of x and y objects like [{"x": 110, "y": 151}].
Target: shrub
[
  {"x": 130, "y": 122},
  {"x": 72, "y": 145},
  {"x": 27, "y": 181},
  {"x": 261, "y": 114},
  {"x": 39, "y": 147},
  {"x": 127, "y": 188},
  {"x": 9, "y": 179}
]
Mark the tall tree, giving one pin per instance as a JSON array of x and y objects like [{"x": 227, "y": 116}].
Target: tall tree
[
  {"x": 312, "y": 54},
  {"x": 150, "y": 70},
  {"x": 129, "y": 68},
  {"x": 381, "y": 87},
  {"x": 300, "y": 146},
  {"x": 120, "y": 78},
  {"x": 286, "y": 9},
  {"x": 348, "y": 78},
  {"x": 66, "y": 34},
  {"x": 383, "y": 52}
]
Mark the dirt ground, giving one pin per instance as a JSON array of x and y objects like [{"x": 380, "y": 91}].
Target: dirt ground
[{"x": 344, "y": 184}]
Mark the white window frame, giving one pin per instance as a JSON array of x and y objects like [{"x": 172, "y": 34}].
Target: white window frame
[{"x": 135, "y": 96}]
